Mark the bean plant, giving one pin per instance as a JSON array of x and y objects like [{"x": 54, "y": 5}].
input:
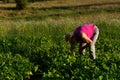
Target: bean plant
[{"x": 37, "y": 50}]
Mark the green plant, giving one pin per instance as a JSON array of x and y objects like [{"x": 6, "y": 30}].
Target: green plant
[{"x": 14, "y": 66}]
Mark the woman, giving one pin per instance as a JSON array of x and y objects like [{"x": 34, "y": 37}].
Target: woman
[{"x": 86, "y": 35}]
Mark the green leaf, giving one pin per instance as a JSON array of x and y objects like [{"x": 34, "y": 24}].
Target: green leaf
[{"x": 36, "y": 68}]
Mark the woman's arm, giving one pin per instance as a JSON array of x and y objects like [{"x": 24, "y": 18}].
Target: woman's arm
[{"x": 86, "y": 39}]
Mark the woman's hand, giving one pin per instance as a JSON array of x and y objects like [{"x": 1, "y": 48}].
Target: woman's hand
[
  {"x": 90, "y": 42},
  {"x": 86, "y": 39}
]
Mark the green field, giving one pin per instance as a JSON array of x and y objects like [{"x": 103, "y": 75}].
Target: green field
[{"x": 32, "y": 43}]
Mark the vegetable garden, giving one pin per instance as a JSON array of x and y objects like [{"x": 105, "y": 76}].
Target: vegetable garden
[{"x": 38, "y": 49}]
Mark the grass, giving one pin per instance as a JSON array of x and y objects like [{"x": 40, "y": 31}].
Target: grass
[{"x": 61, "y": 9}]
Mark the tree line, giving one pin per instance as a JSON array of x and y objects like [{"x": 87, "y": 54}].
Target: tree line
[
  {"x": 9, "y": 1},
  {"x": 21, "y": 4}
]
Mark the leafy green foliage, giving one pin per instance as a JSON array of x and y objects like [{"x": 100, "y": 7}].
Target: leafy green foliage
[
  {"x": 40, "y": 48},
  {"x": 14, "y": 67}
]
